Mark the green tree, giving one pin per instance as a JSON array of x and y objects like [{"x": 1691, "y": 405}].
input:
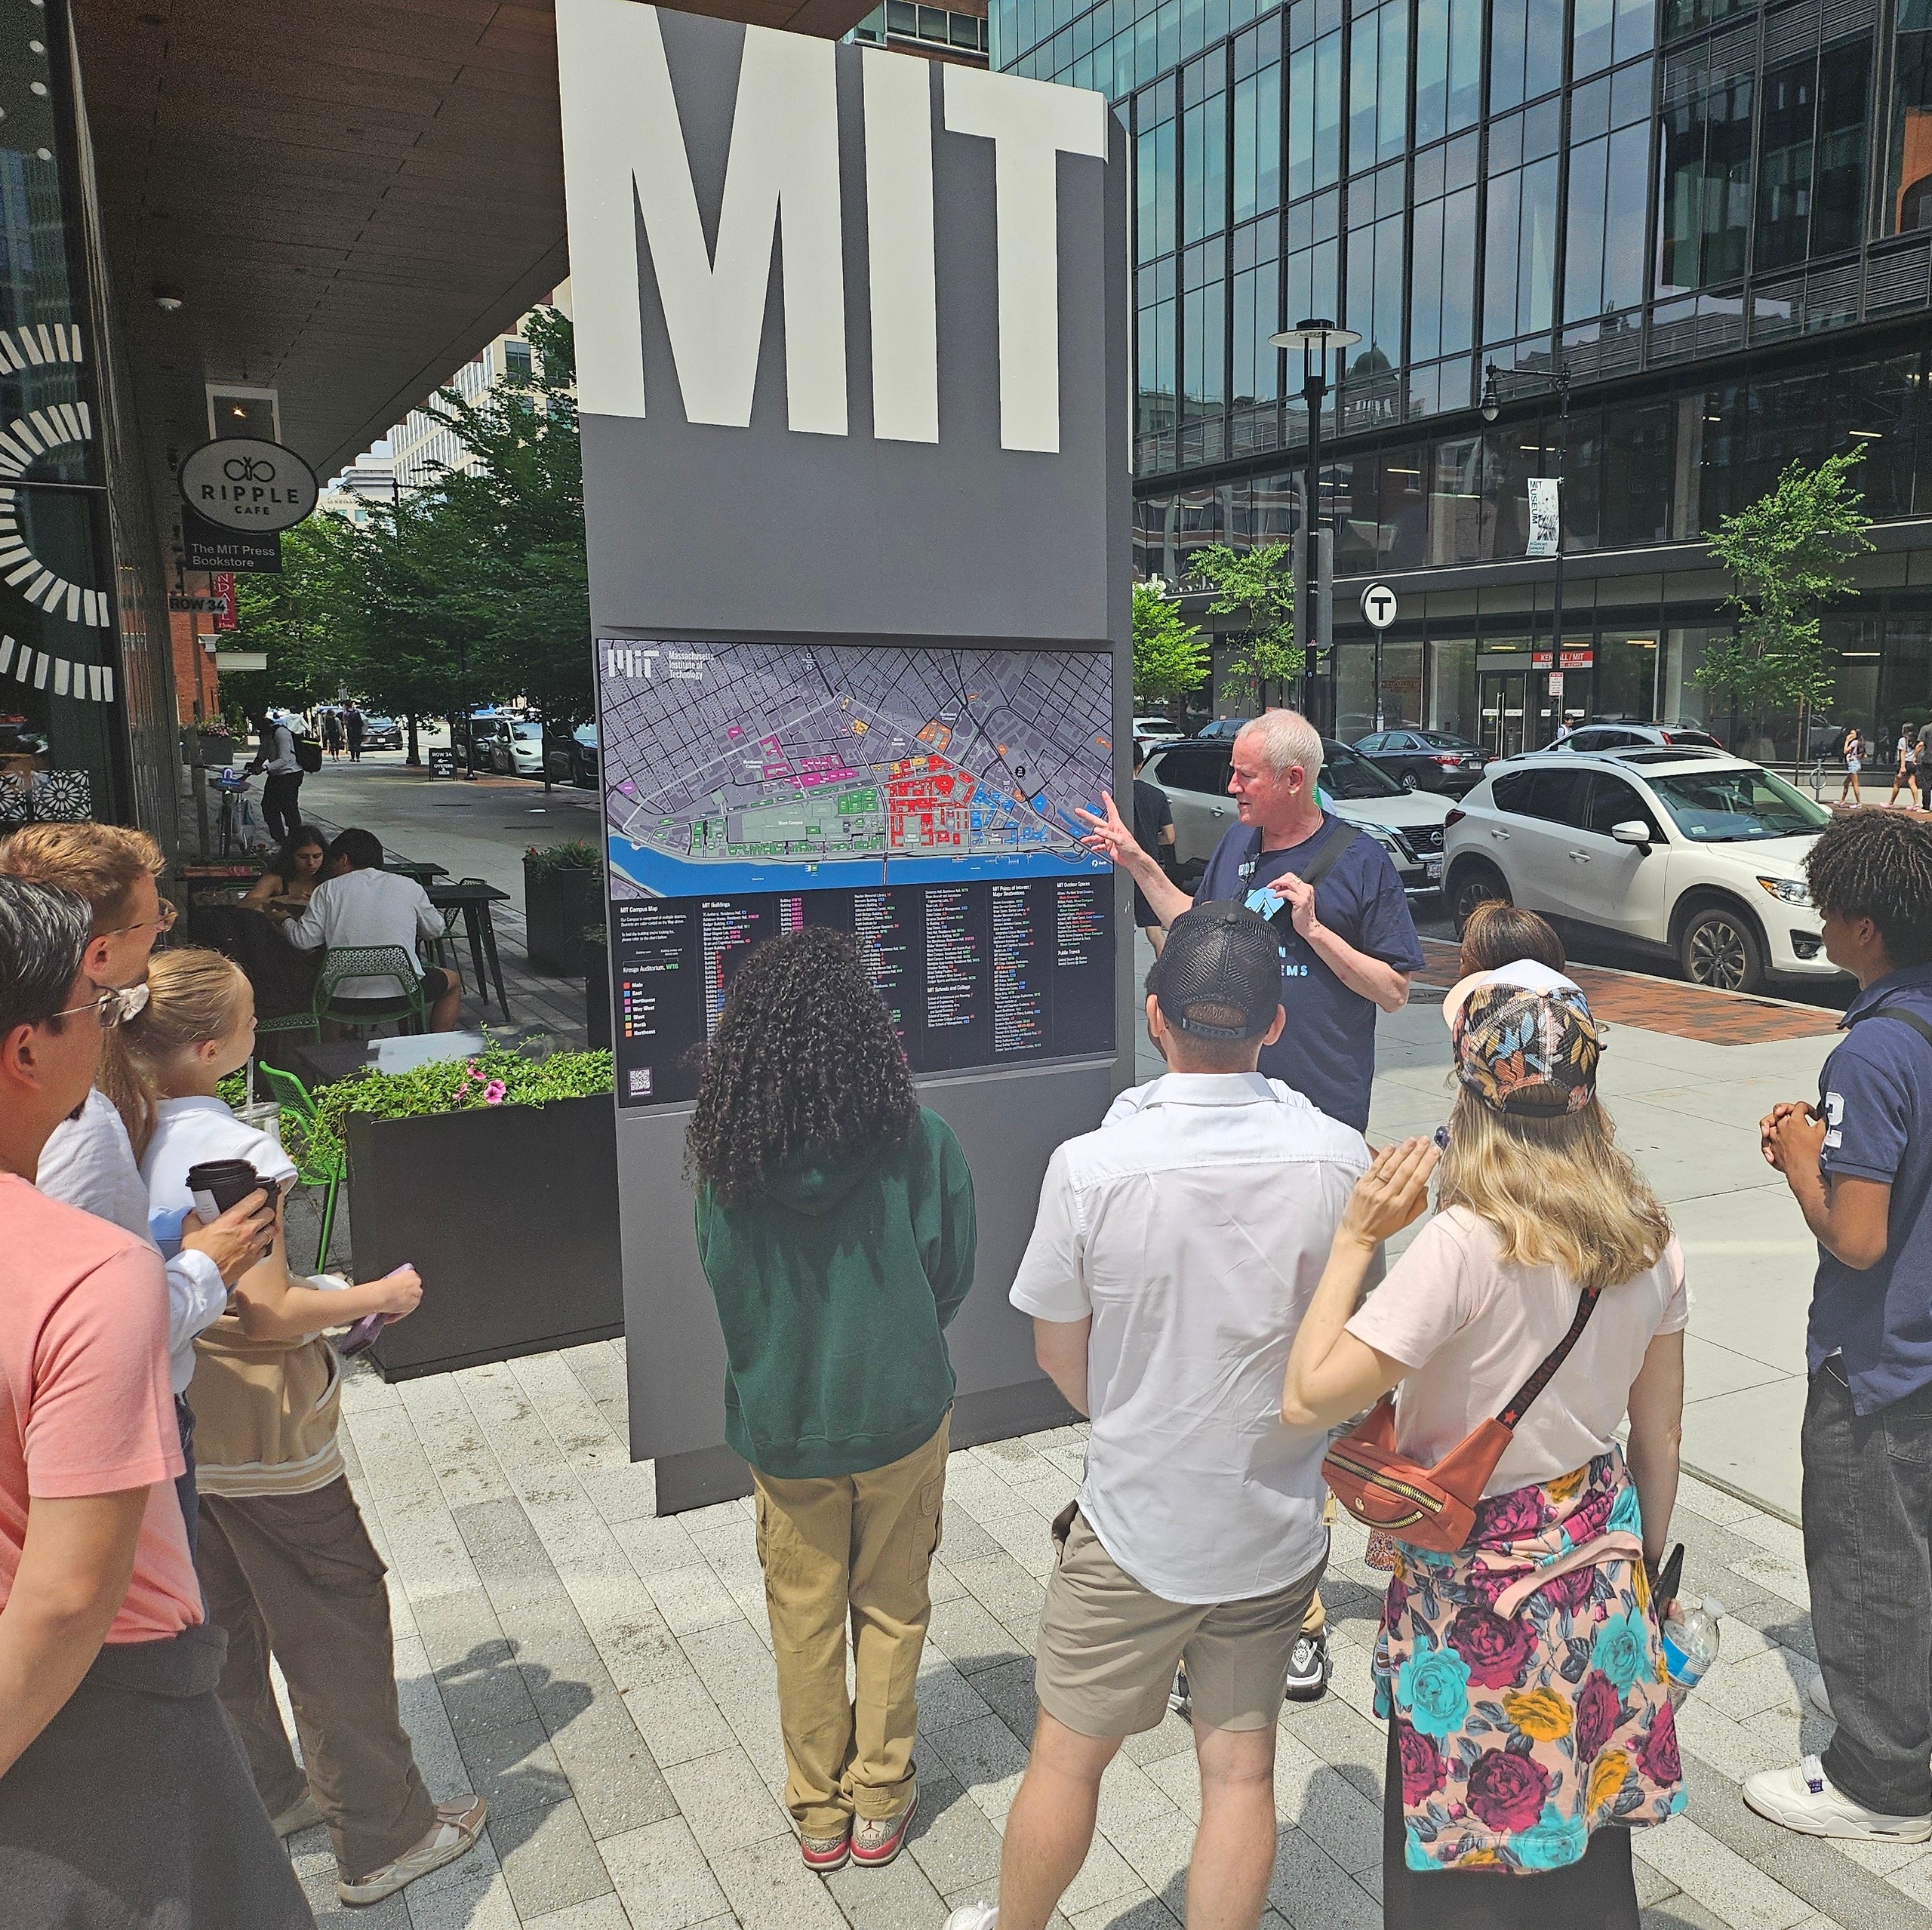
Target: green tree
[
  {"x": 294, "y": 618},
  {"x": 1170, "y": 658},
  {"x": 1789, "y": 554},
  {"x": 1258, "y": 586}
]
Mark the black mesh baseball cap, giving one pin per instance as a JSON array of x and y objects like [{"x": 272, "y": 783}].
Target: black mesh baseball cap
[{"x": 1220, "y": 974}]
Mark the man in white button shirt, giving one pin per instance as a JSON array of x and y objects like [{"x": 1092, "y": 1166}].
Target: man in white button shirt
[
  {"x": 363, "y": 904},
  {"x": 1175, "y": 1252}
]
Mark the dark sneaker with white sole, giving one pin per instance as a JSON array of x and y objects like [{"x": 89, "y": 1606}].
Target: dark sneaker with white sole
[
  {"x": 1180, "y": 1699},
  {"x": 1309, "y": 1667}
]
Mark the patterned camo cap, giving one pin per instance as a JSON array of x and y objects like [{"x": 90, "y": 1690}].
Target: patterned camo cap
[{"x": 1527, "y": 1052}]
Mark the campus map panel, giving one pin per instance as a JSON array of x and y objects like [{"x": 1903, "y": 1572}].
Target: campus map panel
[{"x": 922, "y": 799}]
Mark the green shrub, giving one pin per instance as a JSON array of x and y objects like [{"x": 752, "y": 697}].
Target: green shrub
[{"x": 575, "y": 856}]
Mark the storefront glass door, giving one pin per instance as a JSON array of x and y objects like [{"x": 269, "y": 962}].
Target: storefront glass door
[{"x": 1503, "y": 712}]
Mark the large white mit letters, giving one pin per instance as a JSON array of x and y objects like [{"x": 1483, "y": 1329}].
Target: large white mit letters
[{"x": 622, "y": 136}]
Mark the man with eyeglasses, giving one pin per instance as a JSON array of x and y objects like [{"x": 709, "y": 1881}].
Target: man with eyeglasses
[
  {"x": 88, "y": 1160},
  {"x": 123, "y": 1790}
]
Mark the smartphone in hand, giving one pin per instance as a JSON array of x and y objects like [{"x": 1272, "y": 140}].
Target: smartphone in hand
[{"x": 362, "y": 1336}]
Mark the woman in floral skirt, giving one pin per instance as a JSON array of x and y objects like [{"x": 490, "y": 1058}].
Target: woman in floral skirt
[{"x": 1530, "y": 1727}]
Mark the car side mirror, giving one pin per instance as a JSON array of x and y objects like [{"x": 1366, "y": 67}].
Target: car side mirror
[{"x": 1632, "y": 831}]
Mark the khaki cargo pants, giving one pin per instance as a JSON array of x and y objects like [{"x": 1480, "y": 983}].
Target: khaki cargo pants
[{"x": 856, "y": 1547}]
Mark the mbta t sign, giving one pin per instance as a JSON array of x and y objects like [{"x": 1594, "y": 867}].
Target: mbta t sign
[{"x": 1378, "y": 606}]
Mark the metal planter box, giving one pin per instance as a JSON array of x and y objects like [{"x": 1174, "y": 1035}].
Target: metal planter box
[
  {"x": 510, "y": 1215},
  {"x": 557, "y": 904}
]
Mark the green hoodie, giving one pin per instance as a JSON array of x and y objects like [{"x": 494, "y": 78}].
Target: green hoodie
[{"x": 833, "y": 1288}]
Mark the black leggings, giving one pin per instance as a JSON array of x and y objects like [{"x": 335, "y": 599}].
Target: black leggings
[{"x": 1599, "y": 1893}]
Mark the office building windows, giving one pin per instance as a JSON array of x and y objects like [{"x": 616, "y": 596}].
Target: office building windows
[
  {"x": 1704, "y": 221},
  {"x": 1203, "y": 295},
  {"x": 1441, "y": 311},
  {"x": 1257, "y": 119},
  {"x": 1908, "y": 196},
  {"x": 1605, "y": 32},
  {"x": 1609, "y": 195},
  {"x": 1520, "y": 232},
  {"x": 1448, "y": 68},
  {"x": 1257, "y": 311},
  {"x": 1204, "y": 150},
  {"x": 1378, "y": 84},
  {"x": 1155, "y": 316},
  {"x": 1154, "y": 171},
  {"x": 1525, "y": 51},
  {"x": 1315, "y": 95},
  {"x": 1375, "y": 272},
  {"x": 1310, "y": 236},
  {"x": 1810, "y": 188}
]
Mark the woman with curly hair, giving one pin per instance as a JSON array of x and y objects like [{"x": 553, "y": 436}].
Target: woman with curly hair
[
  {"x": 1530, "y": 1725},
  {"x": 835, "y": 1225}
]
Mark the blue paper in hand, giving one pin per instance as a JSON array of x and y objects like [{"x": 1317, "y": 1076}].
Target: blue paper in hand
[{"x": 1265, "y": 900}]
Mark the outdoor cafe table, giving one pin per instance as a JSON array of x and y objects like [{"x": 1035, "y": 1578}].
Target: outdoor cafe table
[
  {"x": 316, "y": 1064},
  {"x": 476, "y": 898}
]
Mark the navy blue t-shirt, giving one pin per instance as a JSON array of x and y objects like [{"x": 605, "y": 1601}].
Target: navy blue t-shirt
[
  {"x": 1327, "y": 1049},
  {"x": 1877, "y": 1094}
]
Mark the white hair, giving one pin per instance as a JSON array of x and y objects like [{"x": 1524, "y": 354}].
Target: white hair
[{"x": 1285, "y": 737}]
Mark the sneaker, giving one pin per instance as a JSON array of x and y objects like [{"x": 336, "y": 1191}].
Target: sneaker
[
  {"x": 1310, "y": 1668},
  {"x": 300, "y": 1814},
  {"x": 453, "y": 1834},
  {"x": 826, "y": 1854},
  {"x": 1803, "y": 1800},
  {"x": 877, "y": 1840},
  {"x": 974, "y": 1916},
  {"x": 1180, "y": 1697},
  {"x": 1820, "y": 1701}
]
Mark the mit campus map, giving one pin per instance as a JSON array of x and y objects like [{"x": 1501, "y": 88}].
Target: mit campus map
[{"x": 746, "y": 767}]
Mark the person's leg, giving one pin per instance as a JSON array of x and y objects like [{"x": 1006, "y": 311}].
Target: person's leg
[
  {"x": 1050, "y": 1828},
  {"x": 895, "y": 1529},
  {"x": 804, "y": 1542},
  {"x": 1867, "y": 1506},
  {"x": 318, "y": 1582},
  {"x": 1234, "y": 1847},
  {"x": 246, "y": 1691},
  {"x": 446, "y": 1000}
]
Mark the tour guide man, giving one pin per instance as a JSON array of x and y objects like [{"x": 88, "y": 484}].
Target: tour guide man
[{"x": 1348, "y": 942}]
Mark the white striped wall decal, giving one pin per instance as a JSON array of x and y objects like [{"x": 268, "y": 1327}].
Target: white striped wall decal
[
  {"x": 88, "y": 683},
  {"x": 57, "y": 425}
]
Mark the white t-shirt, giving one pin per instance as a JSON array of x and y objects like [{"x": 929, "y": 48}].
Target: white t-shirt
[
  {"x": 1472, "y": 1330},
  {"x": 89, "y": 1163},
  {"x": 367, "y": 907},
  {"x": 1193, "y": 1227},
  {"x": 187, "y": 1131}
]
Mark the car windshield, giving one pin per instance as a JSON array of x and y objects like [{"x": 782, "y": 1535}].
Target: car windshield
[
  {"x": 1735, "y": 807},
  {"x": 1347, "y": 774}
]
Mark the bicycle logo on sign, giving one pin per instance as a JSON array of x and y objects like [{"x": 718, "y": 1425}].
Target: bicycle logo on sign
[{"x": 247, "y": 469}]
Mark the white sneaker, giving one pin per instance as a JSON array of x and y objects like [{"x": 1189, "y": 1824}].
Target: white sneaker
[
  {"x": 974, "y": 1916},
  {"x": 1803, "y": 1800},
  {"x": 453, "y": 1834}
]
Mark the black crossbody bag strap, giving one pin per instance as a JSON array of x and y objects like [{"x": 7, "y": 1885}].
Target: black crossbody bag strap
[
  {"x": 1519, "y": 1402},
  {"x": 1918, "y": 1024}
]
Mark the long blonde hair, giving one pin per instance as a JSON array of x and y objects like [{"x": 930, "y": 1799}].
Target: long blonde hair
[
  {"x": 192, "y": 996},
  {"x": 1559, "y": 1191}
]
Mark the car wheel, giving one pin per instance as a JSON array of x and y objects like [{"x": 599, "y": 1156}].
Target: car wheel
[
  {"x": 1408, "y": 781},
  {"x": 1476, "y": 885},
  {"x": 1719, "y": 948}
]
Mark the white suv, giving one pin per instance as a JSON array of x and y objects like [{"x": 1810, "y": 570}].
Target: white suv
[{"x": 1693, "y": 852}]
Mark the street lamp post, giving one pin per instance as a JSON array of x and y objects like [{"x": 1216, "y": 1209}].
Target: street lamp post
[
  {"x": 1557, "y": 379},
  {"x": 1317, "y": 338}
]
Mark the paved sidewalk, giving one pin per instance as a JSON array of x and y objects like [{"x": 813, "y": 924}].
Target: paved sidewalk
[{"x": 604, "y": 1678}]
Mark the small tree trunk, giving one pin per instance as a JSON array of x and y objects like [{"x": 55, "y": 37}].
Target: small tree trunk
[{"x": 415, "y": 756}]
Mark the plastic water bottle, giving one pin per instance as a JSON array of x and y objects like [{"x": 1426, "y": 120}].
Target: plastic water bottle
[{"x": 1690, "y": 1638}]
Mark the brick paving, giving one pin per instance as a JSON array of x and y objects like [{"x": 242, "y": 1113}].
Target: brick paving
[{"x": 604, "y": 1677}]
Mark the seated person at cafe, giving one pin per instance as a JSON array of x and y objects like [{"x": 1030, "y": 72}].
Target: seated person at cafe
[
  {"x": 289, "y": 882},
  {"x": 360, "y": 903}
]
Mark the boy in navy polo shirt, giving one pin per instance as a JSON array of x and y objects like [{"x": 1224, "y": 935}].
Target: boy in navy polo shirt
[
  {"x": 1859, "y": 1164},
  {"x": 1348, "y": 942}
]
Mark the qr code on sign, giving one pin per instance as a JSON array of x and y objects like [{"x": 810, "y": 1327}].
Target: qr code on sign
[{"x": 641, "y": 1083}]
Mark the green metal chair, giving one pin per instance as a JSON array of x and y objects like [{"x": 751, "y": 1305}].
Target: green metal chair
[
  {"x": 303, "y": 1022},
  {"x": 316, "y": 1168},
  {"x": 389, "y": 962}
]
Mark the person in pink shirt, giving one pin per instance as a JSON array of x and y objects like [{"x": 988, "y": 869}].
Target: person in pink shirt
[{"x": 125, "y": 1800}]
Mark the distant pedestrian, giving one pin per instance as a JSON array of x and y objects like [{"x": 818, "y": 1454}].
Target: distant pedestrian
[
  {"x": 1154, "y": 832},
  {"x": 1859, "y": 1164},
  {"x": 124, "y": 1802},
  {"x": 1924, "y": 745},
  {"x": 1174, "y": 1252},
  {"x": 281, "y": 782},
  {"x": 353, "y": 724},
  {"x": 332, "y": 732},
  {"x": 835, "y": 1225},
  {"x": 1530, "y": 1725},
  {"x": 1853, "y": 750},
  {"x": 1905, "y": 774}
]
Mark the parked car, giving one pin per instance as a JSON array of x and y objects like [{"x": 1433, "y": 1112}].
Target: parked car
[
  {"x": 1224, "y": 727},
  {"x": 523, "y": 755},
  {"x": 571, "y": 756},
  {"x": 1681, "y": 850},
  {"x": 382, "y": 733},
  {"x": 1408, "y": 826},
  {"x": 483, "y": 742},
  {"x": 1422, "y": 760},
  {"x": 1152, "y": 730},
  {"x": 1624, "y": 734}
]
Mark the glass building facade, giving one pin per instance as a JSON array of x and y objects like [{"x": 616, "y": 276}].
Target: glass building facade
[{"x": 1714, "y": 218}]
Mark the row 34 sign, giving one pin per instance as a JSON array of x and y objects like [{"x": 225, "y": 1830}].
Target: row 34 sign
[{"x": 818, "y": 290}]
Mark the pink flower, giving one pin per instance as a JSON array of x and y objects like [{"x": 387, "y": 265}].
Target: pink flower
[
  {"x": 1424, "y": 1770},
  {"x": 1485, "y": 1583},
  {"x": 1509, "y": 1517},
  {"x": 1507, "y": 1791},
  {"x": 1395, "y": 1601},
  {"x": 493, "y": 1093},
  {"x": 1599, "y": 1709},
  {"x": 1659, "y": 1755},
  {"x": 1571, "y": 1591},
  {"x": 1495, "y": 1650}
]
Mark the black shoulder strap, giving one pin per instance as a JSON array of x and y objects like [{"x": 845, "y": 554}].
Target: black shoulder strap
[
  {"x": 1918, "y": 1024},
  {"x": 1328, "y": 853},
  {"x": 1520, "y": 1402}
]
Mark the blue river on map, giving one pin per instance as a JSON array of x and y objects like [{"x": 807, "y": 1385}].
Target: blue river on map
[{"x": 674, "y": 878}]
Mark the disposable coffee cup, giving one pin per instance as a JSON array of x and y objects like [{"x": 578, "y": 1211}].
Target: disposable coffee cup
[{"x": 218, "y": 1184}]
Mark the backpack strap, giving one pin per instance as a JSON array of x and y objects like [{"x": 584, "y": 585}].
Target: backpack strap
[
  {"x": 1519, "y": 1402},
  {"x": 1328, "y": 854},
  {"x": 1904, "y": 1017}
]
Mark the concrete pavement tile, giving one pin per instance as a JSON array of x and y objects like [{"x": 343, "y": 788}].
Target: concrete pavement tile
[
  {"x": 1351, "y": 1743},
  {"x": 951, "y": 1839},
  {"x": 1329, "y": 1810},
  {"x": 987, "y": 1758},
  {"x": 1653, "y": 1885},
  {"x": 961, "y": 1538},
  {"x": 770, "y": 1888},
  {"x": 1711, "y": 1873},
  {"x": 968, "y": 1637},
  {"x": 1881, "y": 1859},
  {"x": 726, "y": 1802},
  {"x": 1172, "y": 1737},
  {"x": 1717, "y": 1738},
  {"x": 661, "y": 1877},
  {"x": 477, "y": 1899},
  {"x": 1025, "y": 1537},
  {"x": 654, "y": 1544},
  {"x": 1750, "y": 1440},
  {"x": 1789, "y": 1732},
  {"x": 547, "y": 1858},
  {"x": 1742, "y": 1688},
  {"x": 678, "y": 1720},
  {"x": 622, "y": 1493},
  {"x": 945, "y": 1697},
  {"x": 899, "y": 1897},
  {"x": 1158, "y": 1849},
  {"x": 482, "y": 1689},
  {"x": 941, "y": 1584},
  {"x": 1713, "y": 1504},
  {"x": 1179, "y": 1781},
  {"x": 617, "y": 1785},
  {"x": 1711, "y": 1369},
  {"x": 1007, "y": 1690},
  {"x": 692, "y": 1598},
  {"x": 1678, "y": 1912},
  {"x": 602, "y": 1913},
  {"x": 1129, "y": 1796},
  {"x": 1137, "y": 1911},
  {"x": 1104, "y": 1876},
  {"x": 971, "y": 1894},
  {"x": 513, "y": 1767},
  {"x": 1313, "y": 1892}
]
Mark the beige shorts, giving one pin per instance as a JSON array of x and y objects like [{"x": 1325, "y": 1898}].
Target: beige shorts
[{"x": 1108, "y": 1647}]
